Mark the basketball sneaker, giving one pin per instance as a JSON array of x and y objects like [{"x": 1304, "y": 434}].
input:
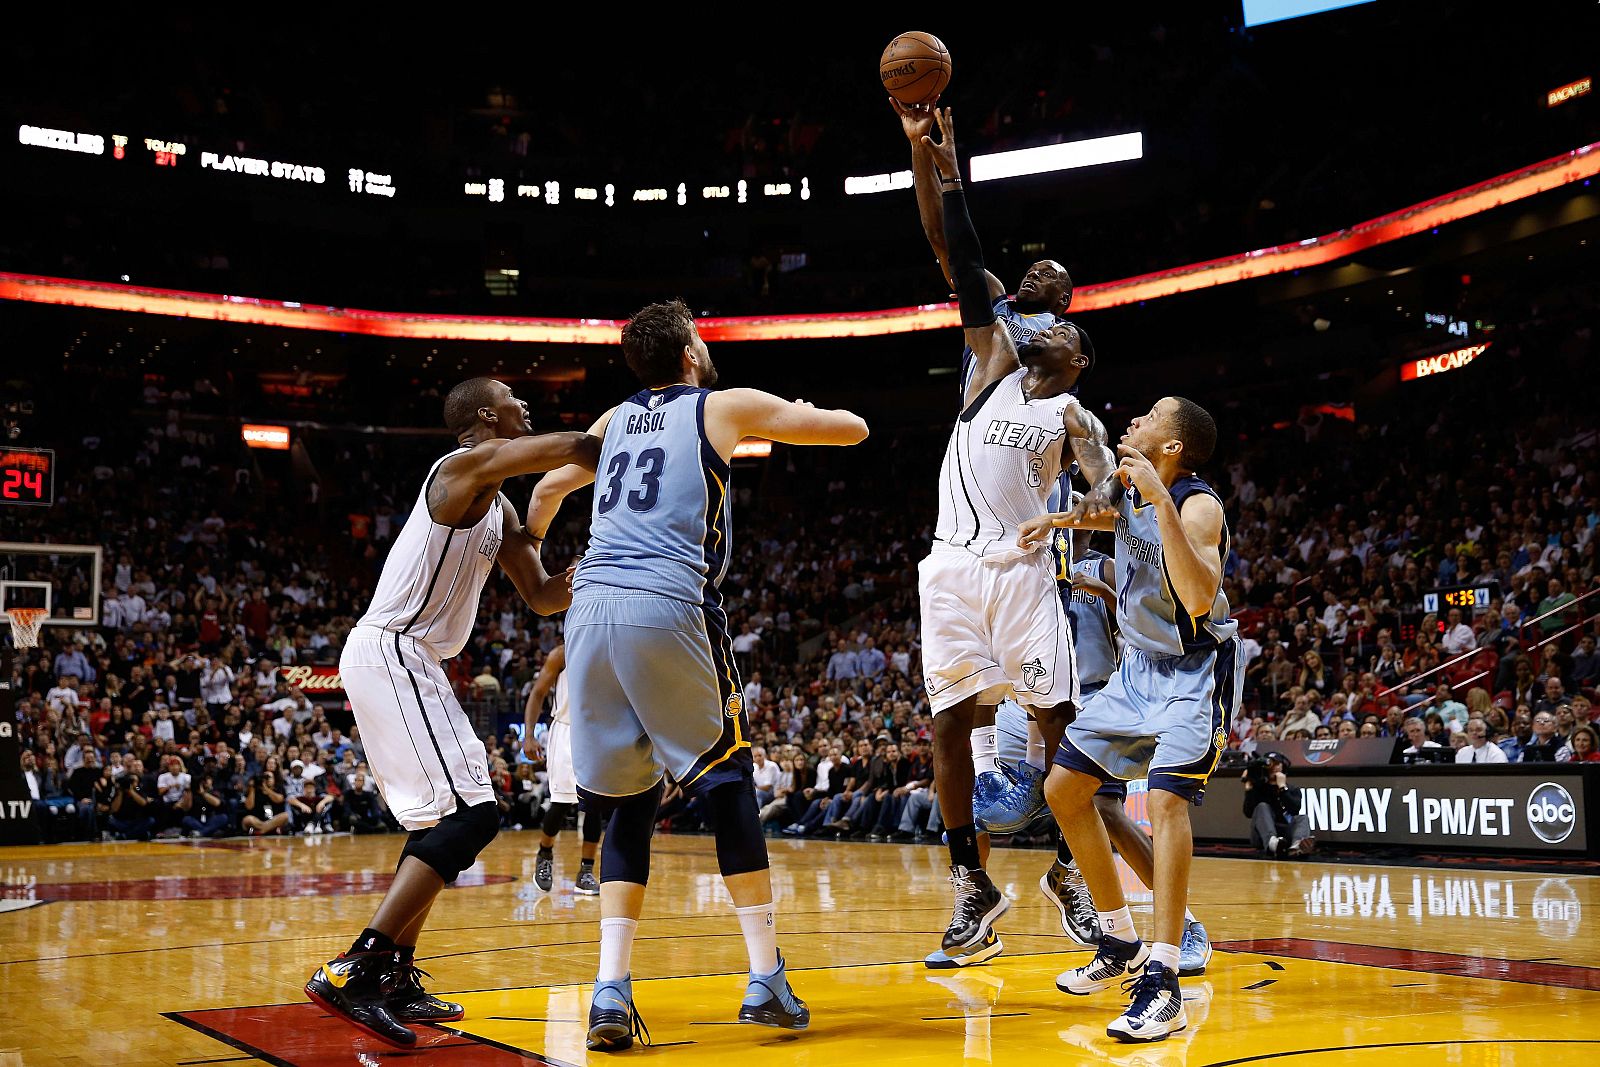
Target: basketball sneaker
[
  {"x": 1156, "y": 1009},
  {"x": 356, "y": 987},
  {"x": 1017, "y": 805},
  {"x": 586, "y": 883},
  {"x": 970, "y": 937},
  {"x": 613, "y": 1020},
  {"x": 1063, "y": 884},
  {"x": 769, "y": 1001},
  {"x": 1194, "y": 950},
  {"x": 544, "y": 870},
  {"x": 987, "y": 788},
  {"x": 410, "y": 1003},
  {"x": 1114, "y": 959}
]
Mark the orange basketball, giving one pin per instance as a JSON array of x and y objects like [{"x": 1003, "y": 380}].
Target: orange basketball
[{"x": 915, "y": 68}]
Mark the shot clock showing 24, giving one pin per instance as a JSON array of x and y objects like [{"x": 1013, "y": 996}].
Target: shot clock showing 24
[{"x": 27, "y": 476}]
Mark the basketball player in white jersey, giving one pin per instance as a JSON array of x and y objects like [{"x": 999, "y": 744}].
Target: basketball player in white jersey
[
  {"x": 992, "y": 624},
  {"x": 432, "y": 770},
  {"x": 1041, "y": 301},
  {"x": 562, "y": 784}
]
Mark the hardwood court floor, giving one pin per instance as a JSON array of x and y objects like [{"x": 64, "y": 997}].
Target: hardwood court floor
[{"x": 171, "y": 953}]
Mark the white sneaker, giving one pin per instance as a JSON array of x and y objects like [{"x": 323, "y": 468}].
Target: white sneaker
[
  {"x": 1113, "y": 961},
  {"x": 1156, "y": 1011}
]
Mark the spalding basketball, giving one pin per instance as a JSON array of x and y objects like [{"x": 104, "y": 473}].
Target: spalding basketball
[{"x": 915, "y": 68}]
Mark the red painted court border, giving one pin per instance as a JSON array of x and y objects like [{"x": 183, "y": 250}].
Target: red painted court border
[
  {"x": 303, "y": 1035},
  {"x": 1580, "y": 164},
  {"x": 1426, "y": 962}
]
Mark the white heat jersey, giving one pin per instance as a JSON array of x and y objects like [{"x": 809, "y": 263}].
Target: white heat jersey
[
  {"x": 561, "y": 710},
  {"x": 1001, "y": 464},
  {"x": 434, "y": 574}
]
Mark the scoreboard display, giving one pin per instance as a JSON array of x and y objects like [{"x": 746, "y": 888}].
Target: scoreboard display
[
  {"x": 28, "y": 476},
  {"x": 1470, "y": 598}
]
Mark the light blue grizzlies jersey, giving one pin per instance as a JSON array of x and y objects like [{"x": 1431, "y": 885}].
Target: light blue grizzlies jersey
[
  {"x": 1094, "y": 642},
  {"x": 662, "y": 514},
  {"x": 1151, "y": 617},
  {"x": 1020, "y": 325}
]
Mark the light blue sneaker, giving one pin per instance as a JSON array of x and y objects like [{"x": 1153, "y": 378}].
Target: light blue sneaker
[
  {"x": 613, "y": 1020},
  {"x": 1018, "y": 805},
  {"x": 1194, "y": 951},
  {"x": 986, "y": 789},
  {"x": 768, "y": 1001}
]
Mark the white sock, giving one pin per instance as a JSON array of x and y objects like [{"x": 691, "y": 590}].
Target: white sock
[
  {"x": 1188, "y": 917},
  {"x": 759, "y": 923},
  {"x": 1118, "y": 924},
  {"x": 616, "y": 948},
  {"x": 1164, "y": 954},
  {"x": 985, "y": 749},
  {"x": 1035, "y": 746}
]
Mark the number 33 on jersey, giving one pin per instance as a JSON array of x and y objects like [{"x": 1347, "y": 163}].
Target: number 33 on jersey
[{"x": 662, "y": 512}]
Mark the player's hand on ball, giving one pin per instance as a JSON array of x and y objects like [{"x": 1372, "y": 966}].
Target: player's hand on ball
[
  {"x": 1035, "y": 531},
  {"x": 944, "y": 153},
  {"x": 1137, "y": 472},
  {"x": 915, "y": 119}
]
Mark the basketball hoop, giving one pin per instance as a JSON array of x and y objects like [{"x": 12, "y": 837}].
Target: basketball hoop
[{"x": 25, "y": 623}]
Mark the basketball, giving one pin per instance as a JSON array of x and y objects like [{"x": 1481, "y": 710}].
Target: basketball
[{"x": 915, "y": 68}]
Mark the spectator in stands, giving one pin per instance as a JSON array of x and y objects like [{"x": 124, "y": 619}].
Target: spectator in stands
[
  {"x": 1545, "y": 742},
  {"x": 1452, "y": 713},
  {"x": 1585, "y": 663},
  {"x": 1478, "y": 748},
  {"x": 1313, "y": 673},
  {"x": 1416, "y": 741},
  {"x": 1555, "y": 695},
  {"x": 1552, "y": 618},
  {"x": 1458, "y": 636},
  {"x": 1582, "y": 747},
  {"x": 766, "y": 777},
  {"x": 207, "y": 815},
  {"x": 1302, "y": 717},
  {"x": 844, "y": 664}
]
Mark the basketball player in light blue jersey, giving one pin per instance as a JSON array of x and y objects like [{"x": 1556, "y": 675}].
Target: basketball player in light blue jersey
[
  {"x": 1042, "y": 299},
  {"x": 1163, "y": 714},
  {"x": 1085, "y": 580},
  {"x": 653, "y": 686}
]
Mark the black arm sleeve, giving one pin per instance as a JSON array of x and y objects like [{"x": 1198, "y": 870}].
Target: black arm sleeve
[{"x": 966, "y": 262}]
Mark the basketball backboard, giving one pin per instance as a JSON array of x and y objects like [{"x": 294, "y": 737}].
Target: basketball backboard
[{"x": 64, "y": 579}]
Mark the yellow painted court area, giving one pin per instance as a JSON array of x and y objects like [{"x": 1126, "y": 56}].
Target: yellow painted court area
[{"x": 171, "y": 953}]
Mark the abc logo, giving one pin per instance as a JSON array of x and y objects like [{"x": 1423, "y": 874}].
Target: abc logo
[{"x": 1551, "y": 814}]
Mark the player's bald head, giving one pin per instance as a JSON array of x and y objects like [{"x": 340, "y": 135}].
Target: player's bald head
[{"x": 462, "y": 404}]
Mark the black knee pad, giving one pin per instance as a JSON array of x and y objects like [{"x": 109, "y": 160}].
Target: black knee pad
[
  {"x": 625, "y": 857},
  {"x": 452, "y": 844},
  {"x": 741, "y": 847},
  {"x": 556, "y": 818}
]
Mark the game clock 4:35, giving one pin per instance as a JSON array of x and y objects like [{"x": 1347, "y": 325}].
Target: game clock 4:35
[
  {"x": 1469, "y": 598},
  {"x": 27, "y": 476}
]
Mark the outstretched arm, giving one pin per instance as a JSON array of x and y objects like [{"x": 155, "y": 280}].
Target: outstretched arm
[
  {"x": 991, "y": 344},
  {"x": 734, "y": 414},
  {"x": 917, "y": 122},
  {"x": 493, "y": 461}
]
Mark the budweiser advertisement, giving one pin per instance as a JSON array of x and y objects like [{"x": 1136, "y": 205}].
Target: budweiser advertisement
[{"x": 315, "y": 680}]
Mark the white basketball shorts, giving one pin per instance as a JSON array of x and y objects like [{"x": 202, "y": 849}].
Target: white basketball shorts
[
  {"x": 994, "y": 629},
  {"x": 558, "y": 762},
  {"x": 419, "y": 744}
]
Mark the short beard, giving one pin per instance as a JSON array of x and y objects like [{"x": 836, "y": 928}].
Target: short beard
[
  {"x": 708, "y": 377},
  {"x": 1030, "y": 351}
]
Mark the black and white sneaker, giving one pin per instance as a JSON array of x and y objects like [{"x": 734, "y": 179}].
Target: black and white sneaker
[
  {"x": 586, "y": 885},
  {"x": 1063, "y": 884},
  {"x": 544, "y": 870},
  {"x": 1113, "y": 960},
  {"x": 1156, "y": 1009},
  {"x": 970, "y": 937}
]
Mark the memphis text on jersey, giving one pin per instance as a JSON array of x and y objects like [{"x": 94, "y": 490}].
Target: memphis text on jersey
[{"x": 1145, "y": 551}]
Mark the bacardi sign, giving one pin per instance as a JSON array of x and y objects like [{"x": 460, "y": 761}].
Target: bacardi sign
[
  {"x": 1412, "y": 369},
  {"x": 314, "y": 680},
  {"x": 1581, "y": 87}
]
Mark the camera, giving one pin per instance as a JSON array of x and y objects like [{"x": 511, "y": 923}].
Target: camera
[{"x": 1257, "y": 772}]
